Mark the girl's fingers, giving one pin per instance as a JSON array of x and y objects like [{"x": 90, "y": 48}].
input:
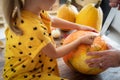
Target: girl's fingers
[
  {"x": 92, "y": 37},
  {"x": 88, "y": 28}
]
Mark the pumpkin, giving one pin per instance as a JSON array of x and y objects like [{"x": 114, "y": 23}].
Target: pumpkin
[
  {"x": 91, "y": 15},
  {"x": 76, "y": 58},
  {"x": 85, "y": 2},
  {"x": 67, "y": 11}
]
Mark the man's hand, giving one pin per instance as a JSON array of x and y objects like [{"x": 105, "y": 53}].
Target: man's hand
[{"x": 115, "y": 3}]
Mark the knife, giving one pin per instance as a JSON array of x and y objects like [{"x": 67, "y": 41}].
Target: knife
[{"x": 108, "y": 20}]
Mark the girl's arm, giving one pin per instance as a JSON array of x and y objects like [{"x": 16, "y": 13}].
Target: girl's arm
[
  {"x": 53, "y": 52},
  {"x": 60, "y": 23}
]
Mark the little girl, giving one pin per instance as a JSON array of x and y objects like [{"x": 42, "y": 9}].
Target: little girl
[{"x": 30, "y": 52}]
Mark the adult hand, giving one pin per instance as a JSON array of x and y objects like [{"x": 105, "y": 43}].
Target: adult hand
[
  {"x": 105, "y": 59},
  {"x": 115, "y": 3}
]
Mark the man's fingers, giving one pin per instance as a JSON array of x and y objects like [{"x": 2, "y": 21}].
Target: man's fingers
[
  {"x": 94, "y": 62},
  {"x": 97, "y": 53}
]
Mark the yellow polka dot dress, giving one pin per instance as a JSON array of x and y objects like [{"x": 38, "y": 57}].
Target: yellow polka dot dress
[{"x": 23, "y": 57}]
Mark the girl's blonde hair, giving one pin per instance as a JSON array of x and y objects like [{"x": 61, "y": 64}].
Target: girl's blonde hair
[{"x": 11, "y": 10}]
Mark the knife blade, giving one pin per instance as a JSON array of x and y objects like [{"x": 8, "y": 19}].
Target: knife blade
[{"x": 108, "y": 20}]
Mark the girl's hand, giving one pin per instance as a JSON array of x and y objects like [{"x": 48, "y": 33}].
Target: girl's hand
[
  {"x": 105, "y": 60},
  {"x": 86, "y": 28},
  {"x": 89, "y": 38},
  {"x": 115, "y": 3}
]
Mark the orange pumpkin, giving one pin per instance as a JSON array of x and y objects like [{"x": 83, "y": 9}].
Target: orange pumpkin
[{"x": 76, "y": 58}]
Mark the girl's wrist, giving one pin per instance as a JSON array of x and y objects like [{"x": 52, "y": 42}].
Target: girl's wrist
[{"x": 78, "y": 41}]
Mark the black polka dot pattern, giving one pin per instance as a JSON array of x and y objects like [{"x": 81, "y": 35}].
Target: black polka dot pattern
[
  {"x": 30, "y": 53},
  {"x": 19, "y": 43},
  {"x": 23, "y": 66},
  {"x": 49, "y": 34},
  {"x": 41, "y": 41},
  {"x": 39, "y": 55},
  {"x": 35, "y": 28},
  {"x": 29, "y": 46},
  {"x": 49, "y": 68},
  {"x": 11, "y": 36},
  {"x": 51, "y": 60},
  {"x": 32, "y": 61},
  {"x": 14, "y": 46},
  {"x": 40, "y": 61},
  {"x": 33, "y": 76},
  {"x": 31, "y": 38},
  {"x": 35, "y": 69},
  {"x": 21, "y": 52},
  {"x": 9, "y": 57},
  {"x": 25, "y": 76},
  {"x": 39, "y": 76},
  {"x": 53, "y": 69},
  {"x": 42, "y": 65},
  {"x": 20, "y": 59},
  {"x": 44, "y": 33},
  {"x": 49, "y": 74},
  {"x": 11, "y": 65},
  {"x": 13, "y": 70},
  {"x": 15, "y": 23},
  {"x": 44, "y": 28},
  {"x": 42, "y": 11},
  {"x": 22, "y": 21},
  {"x": 25, "y": 52},
  {"x": 6, "y": 76}
]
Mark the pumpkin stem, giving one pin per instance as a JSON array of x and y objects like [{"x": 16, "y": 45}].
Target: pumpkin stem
[
  {"x": 98, "y": 4},
  {"x": 68, "y": 2}
]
